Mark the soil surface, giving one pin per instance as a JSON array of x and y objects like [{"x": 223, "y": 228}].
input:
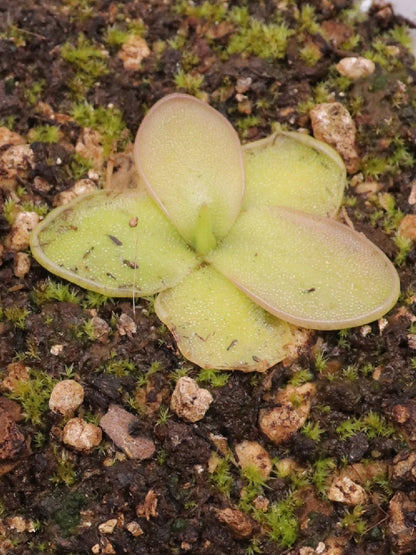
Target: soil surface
[{"x": 344, "y": 481}]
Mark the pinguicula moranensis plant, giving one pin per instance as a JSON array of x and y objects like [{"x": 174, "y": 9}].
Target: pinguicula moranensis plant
[{"x": 238, "y": 242}]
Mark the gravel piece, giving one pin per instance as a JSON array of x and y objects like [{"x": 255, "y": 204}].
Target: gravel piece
[
  {"x": 355, "y": 67},
  {"x": 282, "y": 421},
  {"x": 116, "y": 423},
  {"x": 66, "y": 397},
  {"x": 81, "y": 435},
  {"x": 189, "y": 401},
  {"x": 251, "y": 453},
  {"x": 344, "y": 490},
  {"x": 333, "y": 124}
]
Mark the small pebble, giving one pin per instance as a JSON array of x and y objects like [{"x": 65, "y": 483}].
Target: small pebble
[
  {"x": 89, "y": 145},
  {"x": 344, "y": 490},
  {"x": 133, "y": 51},
  {"x": 81, "y": 435},
  {"x": 117, "y": 424},
  {"x": 412, "y": 196},
  {"x": 333, "y": 124},
  {"x": 355, "y": 67},
  {"x": 126, "y": 325},
  {"x": 16, "y": 372},
  {"x": 15, "y": 163},
  {"x": 252, "y": 454},
  {"x": 189, "y": 401},
  {"x": 9, "y": 138},
  {"x": 238, "y": 523},
  {"x": 23, "y": 225},
  {"x": 134, "y": 528},
  {"x": 81, "y": 187},
  {"x": 285, "y": 419},
  {"x": 108, "y": 526},
  {"x": 407, "y": 227},
  {"x": 21, "y": 524},
  {"x": 401, "y": 524},
  {"x": 66, "y": 397},
  {"x": 21, "y": 264},
  {"x": 12, "y": 439}
]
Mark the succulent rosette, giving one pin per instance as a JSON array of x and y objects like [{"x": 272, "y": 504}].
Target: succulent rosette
[{"x": 238, "y": 243}]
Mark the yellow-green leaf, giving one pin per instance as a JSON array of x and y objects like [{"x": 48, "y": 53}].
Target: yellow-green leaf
[
  {"x": 306, "y": 269},
  {"x": 217, "y": 326},
  {"x": 119, "y": 244},
  {"x": 190, "y": 158},
  {"x": 295, "y": 170}
]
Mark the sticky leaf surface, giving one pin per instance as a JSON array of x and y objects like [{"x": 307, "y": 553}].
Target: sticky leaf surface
[
  {"x": 217, "y": 326},
  {"x": 308, "y": 270},
  {"x": 295, "y": 170},
  {"x": 113, "y": 243},
  {"x": 190, "y": 157}
]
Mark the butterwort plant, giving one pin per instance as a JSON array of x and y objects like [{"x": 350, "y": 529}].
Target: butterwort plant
[{"x": 239, "y": 243}]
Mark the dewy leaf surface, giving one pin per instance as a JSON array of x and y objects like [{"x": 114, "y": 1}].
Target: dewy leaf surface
[
  {"x": 190, "y": 157},
  {"x": 118, "y": 244},
  {"x": 295, "y": 170},
  {"x": 306, "y": 269},
  {"x": 217, "y": 326}
]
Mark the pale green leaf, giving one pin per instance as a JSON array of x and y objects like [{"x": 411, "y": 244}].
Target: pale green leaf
[
  {"x": 295, "y": 170},
  {"x": 191, "y": 160},
  {"x": 117, "y": 243},
  {"x": 306, "y": 269},
  {"x": 217, "y": 326}
]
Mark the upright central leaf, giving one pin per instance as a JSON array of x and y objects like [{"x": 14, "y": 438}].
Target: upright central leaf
[{"x": 191, "y": 160}]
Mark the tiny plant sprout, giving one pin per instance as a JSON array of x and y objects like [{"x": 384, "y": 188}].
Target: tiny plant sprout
[{"x": 238, "y": 242}]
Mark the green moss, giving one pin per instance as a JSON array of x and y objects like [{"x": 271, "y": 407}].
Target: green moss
[
  {"x": 400, "y": 33},
  {"x": 188, "y": 82},
  {"x": 69, "y": 513},
  {"x": 354, "y": 522},
  {"x": 88, "y": 61},
  {"x": 322, "y": 468},
  {"x": 301, "y": 377},
  {"x": 34, "y": 92},
  {"x": 372, "y": 424},
  {"x": 116, "y": 35},
  {"x": 51, "y": 290},
  {"x": 164, "y": 415},
  {"x": 352, "y": 43},
  {"x": 79, "y": 167},
  {"x": 45, "y": 134},
  {"x": 312, "y": 430},
  {"x": 222, "y": 478},
  {"x": 17, "y": 316},
  {"x": 215, "y": 378},
  {"x": 15, "y": 34},
  {"x": 9, "y": 122},
  {"x": 306, "y": 19},
  {"x": 265, "y": 40},
  {"x": 281, "y": 521},
  {"x": 33, "y": 395},
  {"x": 405, "y": 245},
  {"x": 210, "y": 11},
  {"x": 10, "y": 210},
  {"x": 310, "y": 55},
  {"x": 39, "y": 208},
  {"x": 95, "y": 300},
  {"x": 64, "y": 468},
  {"x": 254, "y": 485},
  {"x": 108, "y": 121},
  {"x": 80, "y": 10},
  {"x": 383, "y": 54}
]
